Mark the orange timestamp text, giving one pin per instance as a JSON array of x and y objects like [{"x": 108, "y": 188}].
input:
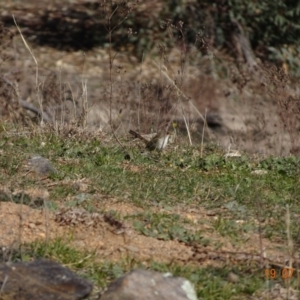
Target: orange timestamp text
[{"x": 285, "y": 273}]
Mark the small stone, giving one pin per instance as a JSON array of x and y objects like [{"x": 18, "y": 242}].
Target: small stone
[
  {"x": 31, "y": 225},
  {"x": 210, "y": 213},
  {"x": 233, "y": 153},
  {"x": 232, "y": 277},
  {"x": 132, "y": 248},
  {"x": 79, "y": 244},
  {"x": 259, "y": 172},
  {"x": 42, "y": 235}
]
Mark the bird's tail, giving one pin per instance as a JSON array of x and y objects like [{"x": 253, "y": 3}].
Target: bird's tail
[{"x": 137, "y": 135}]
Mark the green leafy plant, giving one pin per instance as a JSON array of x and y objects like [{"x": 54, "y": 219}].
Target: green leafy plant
[{"x": 165, "y": 227}]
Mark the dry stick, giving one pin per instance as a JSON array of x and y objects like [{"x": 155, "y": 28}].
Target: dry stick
[
  {"x": 21, "y": 224},
  {"x": 177, "y": 88},
  {"x": 203, "y": 131},
  {"x": 62, "y": 103},
  {"x": 290, "y": 244},
  {"x": 73, "y": 101},
  {"x": 203, "y": 119},
  {"x": 111, "y": 59},
  {"x": 24, "y": 41},
  {"x": 47, "y": 237},
  {"x": 187, "y": 129},
  {"x": 262, "y": 256},
  {"x": 85, "y": 103},
  {"x": 139, "y": 98},
  {"x": 37, "y": 66},
  {"x": 178, "y": 94},
  {"x": 41, "y": 108},
  {"x": 288, "y": 231},
  {"x": 3, "y": 285},
  {"x": 78, "y": 262},
  {"x": 119, "y": 142},
  {"x": 84, "y": 96},
  {"x": 181, "y": 93}
]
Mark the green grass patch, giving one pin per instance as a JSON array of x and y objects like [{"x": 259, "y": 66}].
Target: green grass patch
[{"x": 174, "y": 180}]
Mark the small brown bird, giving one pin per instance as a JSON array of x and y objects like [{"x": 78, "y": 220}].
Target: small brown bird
[{"x": 158, "y": 142}]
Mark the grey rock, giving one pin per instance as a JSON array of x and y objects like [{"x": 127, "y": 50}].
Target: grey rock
[
  {"x": 41, "y": 280},
  {"x": 145, "y": 285},
  {"x": 40, "y": 165}
]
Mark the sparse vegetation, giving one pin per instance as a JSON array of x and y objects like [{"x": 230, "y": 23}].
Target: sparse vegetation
[
  {"x": 221, "y": 199},
  {"x": 211, "y": 203}
]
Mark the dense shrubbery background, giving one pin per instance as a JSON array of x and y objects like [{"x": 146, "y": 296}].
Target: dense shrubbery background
[{"x": 272, "y": 26}]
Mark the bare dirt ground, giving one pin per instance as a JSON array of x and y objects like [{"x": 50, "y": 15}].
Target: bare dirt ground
[{"x": 111, "y": 241}]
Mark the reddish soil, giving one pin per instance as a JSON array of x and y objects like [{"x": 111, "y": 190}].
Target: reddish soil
[{"x": 22, "y": 224}]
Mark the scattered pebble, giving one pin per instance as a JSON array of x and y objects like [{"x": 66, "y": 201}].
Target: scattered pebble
[
  {"x": 232, "y": 277},
  {"x": 259, "y": 172}
]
